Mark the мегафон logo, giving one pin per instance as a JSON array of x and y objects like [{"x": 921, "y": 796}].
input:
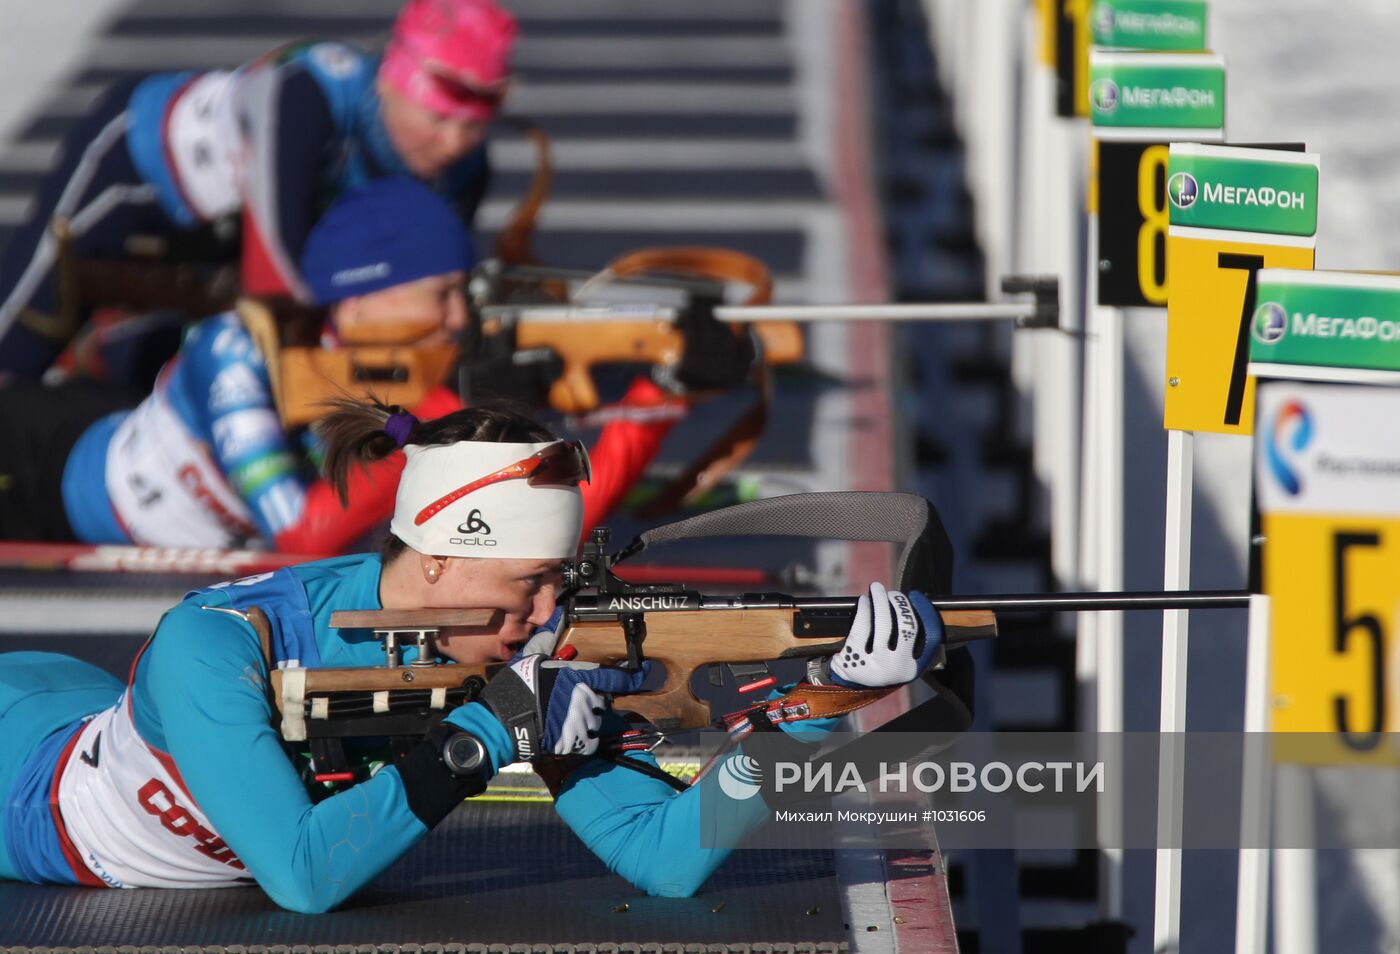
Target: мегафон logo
[
  {"x": 1270, "y": 323},
  {"x": 1104, "y": 95},
  {"x": 1103, "y": 20},
  {"x": 1181, "y": 189}
]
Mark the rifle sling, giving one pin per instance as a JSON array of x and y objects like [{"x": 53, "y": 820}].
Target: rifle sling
[
  {"x": 921, "y": 730},
  {"x": 827, "y": 702}
]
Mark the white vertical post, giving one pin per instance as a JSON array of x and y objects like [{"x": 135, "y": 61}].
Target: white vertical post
[
  {"x": 1065, "y": 188},
  {"x": 1166, "y": 928},
  {"x": 1086, "y": 655},
  {"x": 1099, "y": 653},
  {"x": 1109, "y": 634},
  {"x": 1252, "y": 896},
  {"x": 1295, "y": 869}
]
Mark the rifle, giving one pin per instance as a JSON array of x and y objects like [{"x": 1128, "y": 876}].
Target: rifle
[
  {"x": 583, "y": 336},
  {"x": 613, "y": 622}
]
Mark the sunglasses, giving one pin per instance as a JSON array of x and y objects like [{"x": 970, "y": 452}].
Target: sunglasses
[
  {"x": 561, "y": 464},
  {"x": 463, "y": 93}
]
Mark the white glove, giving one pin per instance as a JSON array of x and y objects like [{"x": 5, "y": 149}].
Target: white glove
[{"x": 893, "y": 639}]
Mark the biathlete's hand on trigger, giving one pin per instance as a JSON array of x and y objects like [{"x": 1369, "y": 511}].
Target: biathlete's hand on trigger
[
  {"x": 551, "y": 707},
  {"x": 893, "y": 639}
]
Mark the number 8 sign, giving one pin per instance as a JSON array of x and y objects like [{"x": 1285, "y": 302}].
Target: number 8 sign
[{"x": 1132, "y": 201}]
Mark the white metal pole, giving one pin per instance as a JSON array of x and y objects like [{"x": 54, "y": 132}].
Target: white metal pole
[
  {"x": 1252, "y": 896},
  {"x": 1033, "y": 111},
  {"x": 1166, "y": 928},
  {"x": 1295, "y": 869},
  {"x": 1099, "y": 662},
  {"x": 1067, "y": 154},
  {"x": 1086, "y": 653},
  {"x": 1109, "y": 632},
  {"x": 642, "y": 312},
  {"x": 1086, "y": 576},
  {"x": 971, "y": 311}
]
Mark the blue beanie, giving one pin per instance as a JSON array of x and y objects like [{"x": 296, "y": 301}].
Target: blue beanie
[{"x": 389, "y": 232}]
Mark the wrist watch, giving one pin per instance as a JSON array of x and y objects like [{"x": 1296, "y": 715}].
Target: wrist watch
[{"x": 465, "y": 757}]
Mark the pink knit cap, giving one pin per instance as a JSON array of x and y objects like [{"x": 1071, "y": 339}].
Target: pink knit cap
[{"x": 452, "y": 56}]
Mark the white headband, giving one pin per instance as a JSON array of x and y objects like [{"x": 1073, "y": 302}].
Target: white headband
[{"x": 506, "y": 519}]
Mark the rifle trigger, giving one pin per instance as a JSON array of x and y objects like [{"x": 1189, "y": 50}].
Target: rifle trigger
[
  {"x": 751, "y": 676},
  {"x": 634, "y": 631}
]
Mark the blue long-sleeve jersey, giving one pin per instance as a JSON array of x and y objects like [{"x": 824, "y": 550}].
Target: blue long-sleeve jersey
[
  {"x": 184, "y": 781},
  {"x": 279, "y": 137},
  {"x": 203, "y": 461}
]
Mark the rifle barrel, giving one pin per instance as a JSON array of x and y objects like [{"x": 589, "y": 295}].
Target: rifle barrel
[
  {"x": 969, "y": 311},
  {"x": 663, "y": 602},
  {"x": 1093, "y": 602},
  {"x": 705, "y": 286},
  {"x": 955, "y": 311},
  {"x": 1072, "y": 602}
]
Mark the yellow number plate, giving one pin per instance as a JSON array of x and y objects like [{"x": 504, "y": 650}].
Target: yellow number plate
[
  {"x": 1334, "y": 588},
  {"x": 1210, "y": 301}
]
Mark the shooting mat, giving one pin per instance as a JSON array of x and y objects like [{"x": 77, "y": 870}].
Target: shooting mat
[{"x": 508, "y": 877}]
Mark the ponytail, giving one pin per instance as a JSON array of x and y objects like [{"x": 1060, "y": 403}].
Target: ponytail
[{"x": 354, "y": 432}]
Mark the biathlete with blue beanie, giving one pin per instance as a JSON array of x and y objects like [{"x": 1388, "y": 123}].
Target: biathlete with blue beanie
[
  {"x": 179, "y": 779},
  {"x": 273, "y": 141},
  {"x": 206, "y": 460}
]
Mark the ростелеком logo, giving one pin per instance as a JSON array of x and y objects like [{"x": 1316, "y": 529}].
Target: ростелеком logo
[
  {"x": 1292, "y": 431},
  {"x": 1103, "y": 95},
  {"x": 739, "y": 777},
  {"x": 1270, "y": 323},
  {"x": 1181, "y": 189}
]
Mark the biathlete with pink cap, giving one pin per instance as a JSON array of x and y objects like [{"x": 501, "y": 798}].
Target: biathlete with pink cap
[
  {"x": 179, "y": 779},
  {"x": 276, "y": 140}
]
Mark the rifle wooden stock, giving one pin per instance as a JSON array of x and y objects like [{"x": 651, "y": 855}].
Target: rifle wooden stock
[
  {"x": 379, "y": 679},
  {"x": 685, "y": 641},
  {"x": 681, "y": 642},
  {"x": 411, "y": 618}
]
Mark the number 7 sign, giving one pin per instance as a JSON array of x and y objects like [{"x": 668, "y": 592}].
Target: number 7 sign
[
  {"x": 1210, "y": 307},
  {"x": 1233, "y": 210}
]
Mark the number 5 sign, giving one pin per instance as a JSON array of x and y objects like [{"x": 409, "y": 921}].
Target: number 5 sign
[
  {"x": 1327, "y": 475},
  {"x": 1232, "y": 212}
]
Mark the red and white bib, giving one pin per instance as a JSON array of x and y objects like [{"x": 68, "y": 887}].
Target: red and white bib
[{"x": 128, "y": 816}]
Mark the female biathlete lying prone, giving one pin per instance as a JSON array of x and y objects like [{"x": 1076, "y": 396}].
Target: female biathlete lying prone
[
  {"x": 205, "y": 461},
  {"x": 179, "y": 779}
]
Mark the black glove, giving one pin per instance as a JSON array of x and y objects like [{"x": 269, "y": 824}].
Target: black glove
[
  {"x": 715, "y": 358},
  {"x": 493, "y": 368},
  {"x": 552, "y": 707}
]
